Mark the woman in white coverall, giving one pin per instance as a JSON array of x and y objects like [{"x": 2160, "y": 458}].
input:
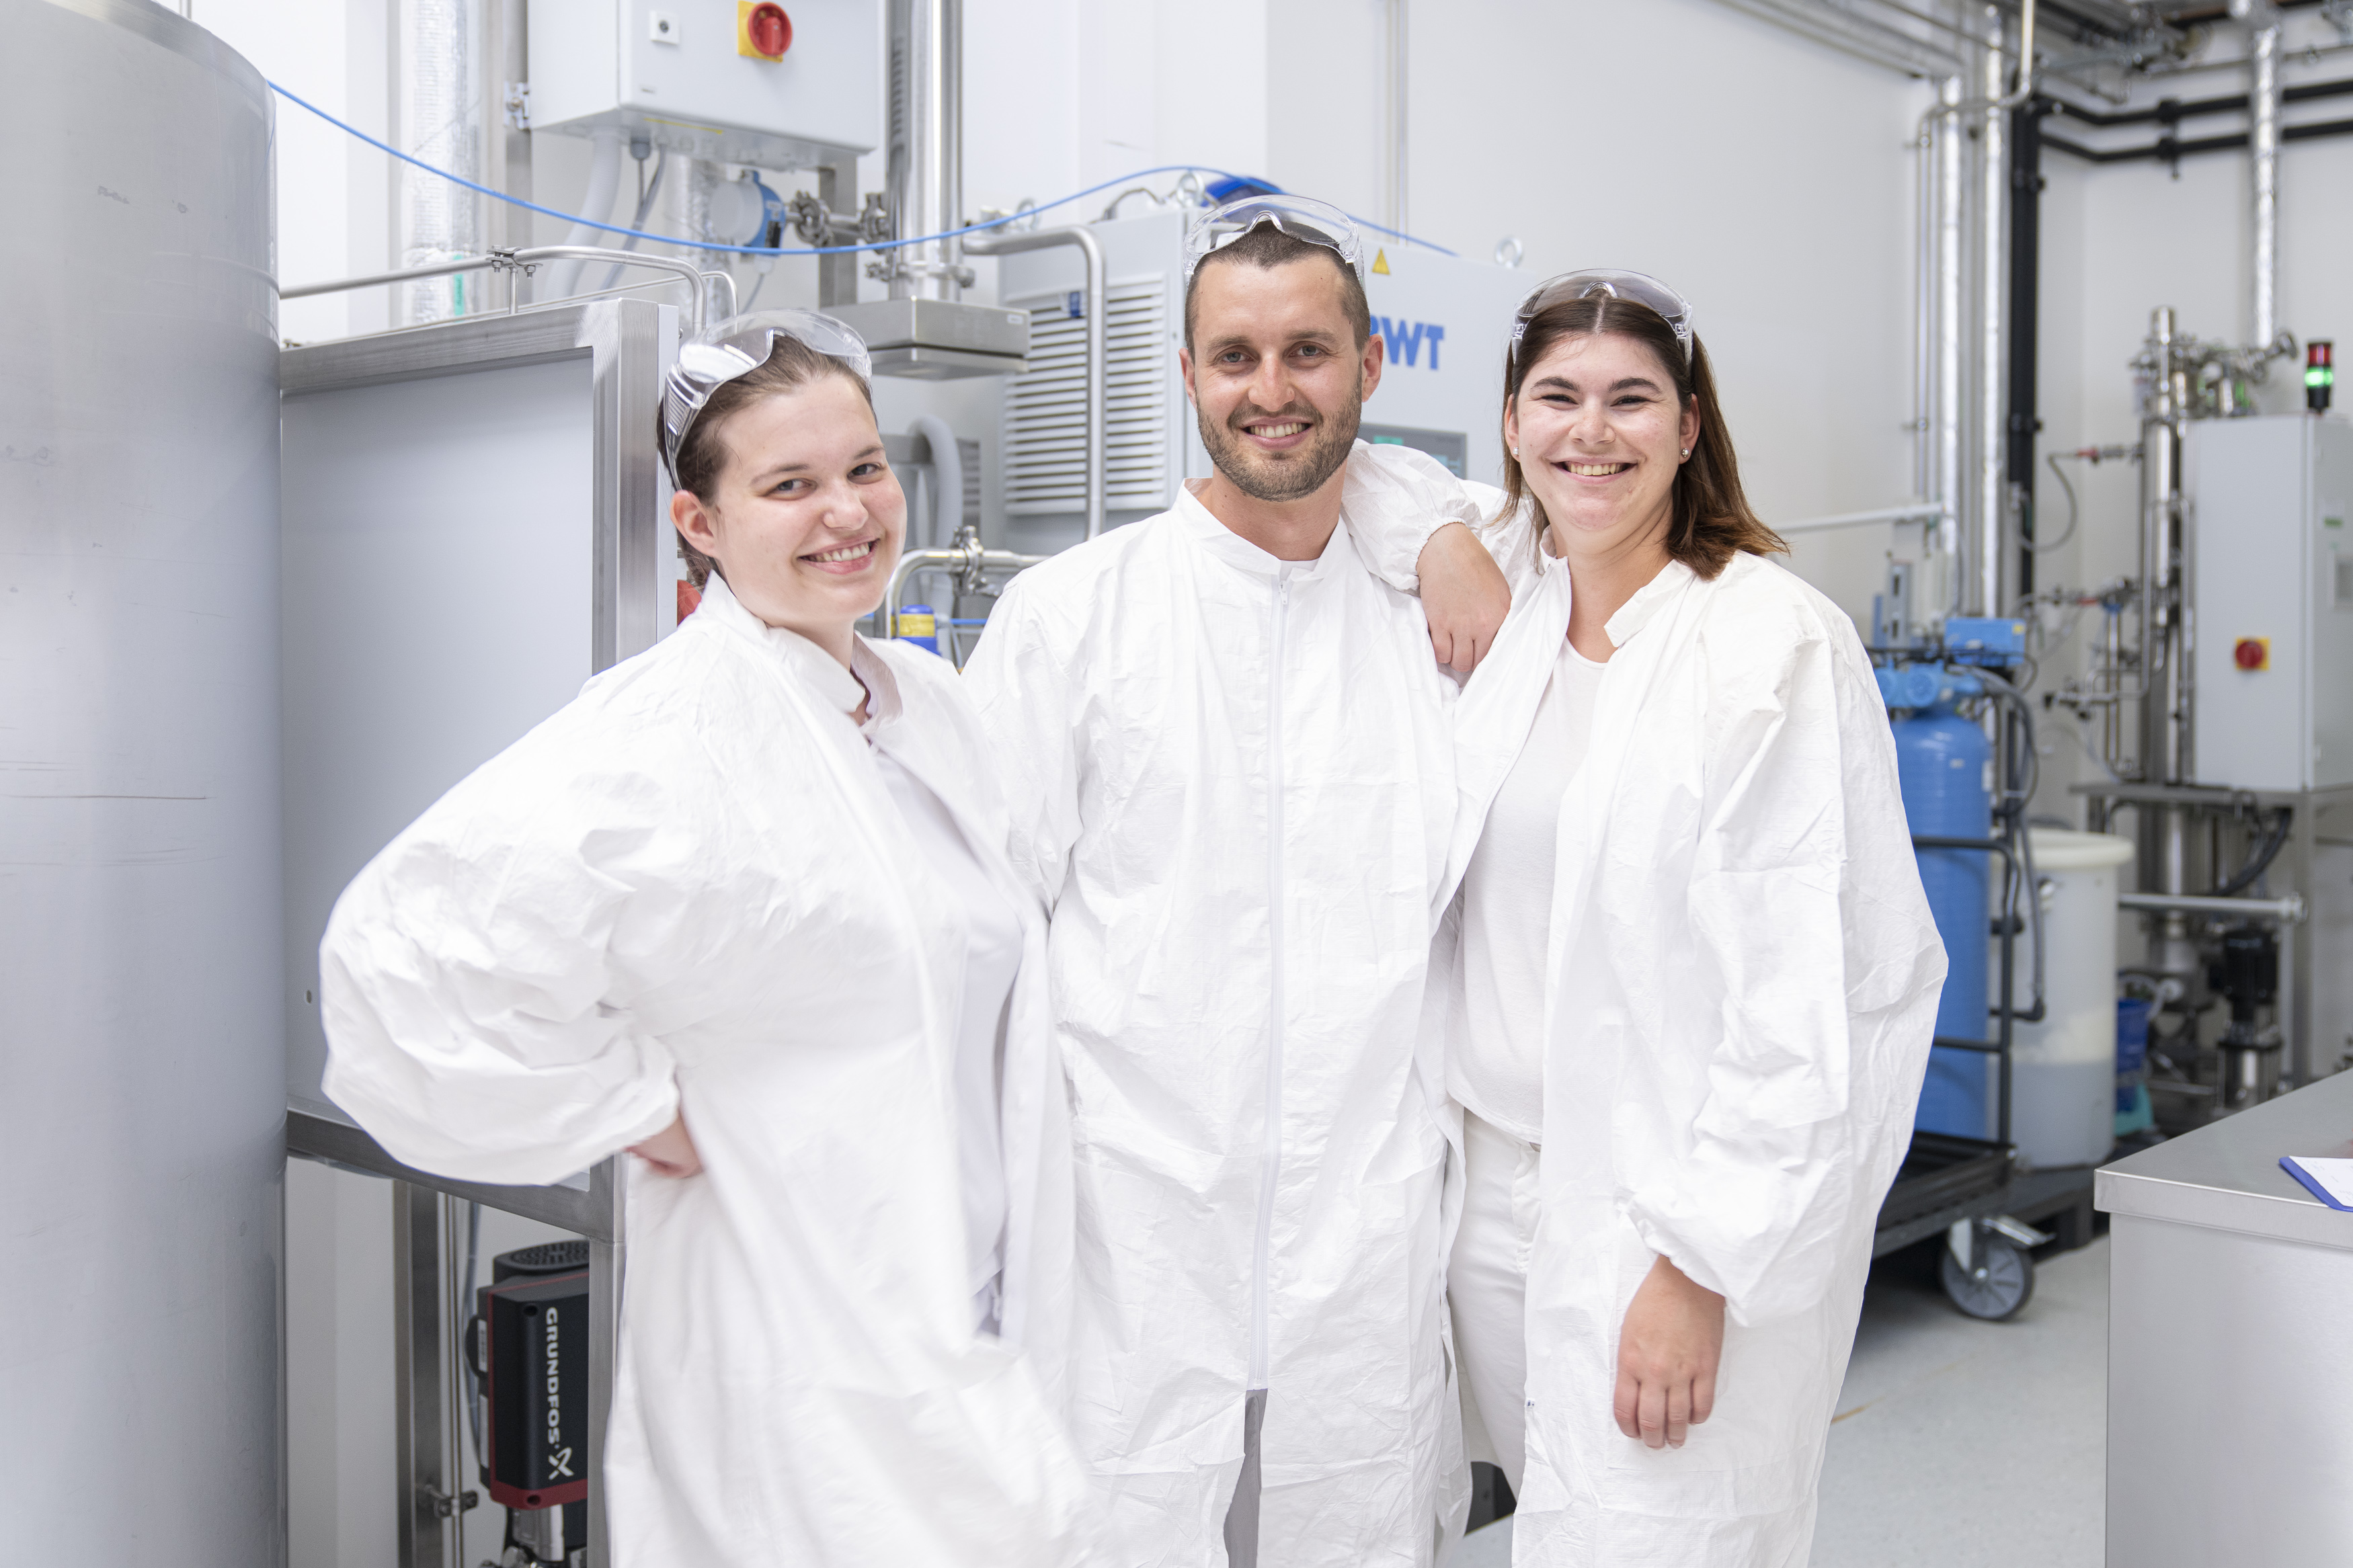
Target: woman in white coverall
[
  {"x": 743, "y": 905},
  {"x": 1690, "y": 978}
]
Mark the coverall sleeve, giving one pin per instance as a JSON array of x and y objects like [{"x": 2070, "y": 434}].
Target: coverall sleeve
[
  {"x": 1817, "y": 957},
  {"x": 1026, "y": 699},
  {"x": 1394, "y": 499},
  {"x": 476, "y": 1023}
]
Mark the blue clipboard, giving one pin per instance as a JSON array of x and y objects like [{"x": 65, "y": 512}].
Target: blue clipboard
[{"x": 2311, "y": 1183}]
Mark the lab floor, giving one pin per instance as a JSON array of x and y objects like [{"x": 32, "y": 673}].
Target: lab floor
[{"x": 1958, "y": 1444}]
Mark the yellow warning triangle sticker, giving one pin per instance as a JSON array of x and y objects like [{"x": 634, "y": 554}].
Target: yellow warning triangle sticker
[{"x": 1381, "y": 262}]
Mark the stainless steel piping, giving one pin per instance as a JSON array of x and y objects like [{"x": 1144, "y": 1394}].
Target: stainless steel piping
[
  {"x": 967, "y": 560},
  {"x": 1992, "y": 509},
  {"x": 1098, "y": 305},
  {"x": 926, "y": 177},
  {"x": 1949, "y": 213},
  {"x": 2264, "y": 151},
  {"x": 700, "y": 282},
  {"x": 1858, "y": 36},
  {"x": 1398, "y": 62},
  {"x": 2290, "y": 909}
]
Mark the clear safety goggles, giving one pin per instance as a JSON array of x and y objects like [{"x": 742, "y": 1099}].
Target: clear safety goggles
[
  {"x": 1638, "y": 287},
  {"x": 1301, "y": 217},
  {"x": 738, "y": 347}
]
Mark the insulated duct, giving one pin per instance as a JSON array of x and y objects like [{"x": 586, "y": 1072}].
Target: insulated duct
[
  {"x": 2264, "y": 150},
  {"x": 441, "y": 123}
]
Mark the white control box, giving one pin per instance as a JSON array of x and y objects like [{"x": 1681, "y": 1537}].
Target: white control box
[
  {"x": 1444, "y": 321},
  {"x": 2271, "y": 600},
  {"x": 707, "y": 78}
]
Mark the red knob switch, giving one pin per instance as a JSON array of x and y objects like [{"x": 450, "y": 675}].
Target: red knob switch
[
  {"x": 2251, "y": 653},
  {"x": 767, "y": 31}
]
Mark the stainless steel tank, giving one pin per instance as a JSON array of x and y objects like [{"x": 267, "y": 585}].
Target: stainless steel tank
[{"x": 141, "y": 1055}]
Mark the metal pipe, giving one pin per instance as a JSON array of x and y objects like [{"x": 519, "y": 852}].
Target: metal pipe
[
  {"x": 1992, "y": 510},
  {"x": 1850, "y": 519},
  {"x": 2289, "y": 910},
  {"x": 1398, "y": 62},
  {"x": 720, "y": 288},
  {"x": 1949, "y": 338},
  {"x": 926, "y": 177},
  {"x": 1857, "y": 36},
  {"x": 1098, "y": 304},
  {"x": 2264, "y": 149},
  {"x": 969, "y": 562}
]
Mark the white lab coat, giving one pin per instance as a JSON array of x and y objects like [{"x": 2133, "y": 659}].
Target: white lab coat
[
  {"x": 1231, "y": 780},
  {"x": 1742, "y": 983},
  {"x": 690, "y": 888}
]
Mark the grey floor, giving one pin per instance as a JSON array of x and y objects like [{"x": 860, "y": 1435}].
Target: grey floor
[{"x": 1958, "y": 1444}]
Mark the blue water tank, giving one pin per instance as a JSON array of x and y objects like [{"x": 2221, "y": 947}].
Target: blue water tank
[{"x": 1940, "y": 760}]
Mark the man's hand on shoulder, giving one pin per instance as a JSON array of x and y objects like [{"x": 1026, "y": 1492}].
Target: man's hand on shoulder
[{"x": 1464, "y": 595}]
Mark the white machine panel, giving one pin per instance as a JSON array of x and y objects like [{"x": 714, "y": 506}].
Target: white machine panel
[
  {"x": 1444, "y": 319},
  {"x": 2271, "y": 600},
  {"x": 674, "y": 70}
]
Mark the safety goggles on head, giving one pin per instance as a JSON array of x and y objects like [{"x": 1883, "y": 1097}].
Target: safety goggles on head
[
  {"x": 1301, "y": 217},
  {"x": 738, "y": 347},
  {"x": 1638, "y": 287}
]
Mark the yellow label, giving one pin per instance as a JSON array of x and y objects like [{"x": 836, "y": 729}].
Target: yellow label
[
  {"x": 1381, "y": 262},
  {"x": 917, "y": 626}
]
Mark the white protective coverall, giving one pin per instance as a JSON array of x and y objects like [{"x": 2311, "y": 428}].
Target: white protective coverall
[
  {"x": 1741, "y": 985},
  {"x": 1231, "y": 780},
  {"x": 688, "y": 888}
]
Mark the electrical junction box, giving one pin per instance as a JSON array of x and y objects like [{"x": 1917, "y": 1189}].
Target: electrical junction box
[
  {"x": 1444, "y": 320},
  {"x": 2270, "y": 534},
  {"x": 777, "y": 86}
]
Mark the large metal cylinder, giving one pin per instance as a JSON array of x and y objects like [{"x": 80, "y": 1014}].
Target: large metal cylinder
[{"x": 141, "y": 1060}]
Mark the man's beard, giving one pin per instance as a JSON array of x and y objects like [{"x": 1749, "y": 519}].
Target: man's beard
[{"x": 1282, "y": 476}]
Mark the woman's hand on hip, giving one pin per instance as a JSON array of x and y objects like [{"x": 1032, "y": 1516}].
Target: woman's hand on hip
[
  {"x": 1667, "y": 1353},
  {"x": 672, "y": 1150}
]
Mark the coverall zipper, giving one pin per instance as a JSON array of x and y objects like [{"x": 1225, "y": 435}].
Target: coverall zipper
[{"x": 1271, "y": 1163}]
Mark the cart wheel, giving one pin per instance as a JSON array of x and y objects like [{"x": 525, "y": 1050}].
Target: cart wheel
[{"x": 1997, "y": 1282}]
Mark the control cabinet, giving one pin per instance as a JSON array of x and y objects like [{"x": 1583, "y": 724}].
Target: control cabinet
[
  {"x": 789, "y": 85},
  {"x": 2271, "y": 600}
]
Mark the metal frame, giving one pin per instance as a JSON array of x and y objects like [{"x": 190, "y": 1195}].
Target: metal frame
[
  {"x": 2296, "y": 953},
  {"x": 628, "y": 343}
]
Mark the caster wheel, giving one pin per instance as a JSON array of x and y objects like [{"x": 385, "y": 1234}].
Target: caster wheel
[{"x": 1997, "y": 1282}]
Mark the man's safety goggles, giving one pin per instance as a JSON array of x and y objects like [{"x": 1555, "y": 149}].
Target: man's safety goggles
[{"x": 1301, "y": 217}]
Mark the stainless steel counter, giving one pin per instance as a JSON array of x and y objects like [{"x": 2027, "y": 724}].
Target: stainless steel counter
[{"x": 2231, "y": 1344}]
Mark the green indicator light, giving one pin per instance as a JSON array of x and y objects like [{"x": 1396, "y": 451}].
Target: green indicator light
[{"x": 2319, "y": 375}]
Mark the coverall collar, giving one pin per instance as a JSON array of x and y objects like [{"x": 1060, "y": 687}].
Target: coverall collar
[
  {"x": 867, "y": 680},
  {"x": 1200, "y": 522}
]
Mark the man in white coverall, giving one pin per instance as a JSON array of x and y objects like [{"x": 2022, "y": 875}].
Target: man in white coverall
[{"x": 1227, "y": 750}]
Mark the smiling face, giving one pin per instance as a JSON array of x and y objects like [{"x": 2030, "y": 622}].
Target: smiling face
[
  {"x": 806, "y": 518},
  {"x": 1600, "y": 435},
  {"x": 1275, "y": 372}
]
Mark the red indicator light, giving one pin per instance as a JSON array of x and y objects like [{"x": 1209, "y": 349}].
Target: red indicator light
[{"x": 2251, "y": 653}]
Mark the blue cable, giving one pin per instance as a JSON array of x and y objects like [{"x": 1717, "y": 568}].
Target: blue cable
[{"x": 764, "y": 250}]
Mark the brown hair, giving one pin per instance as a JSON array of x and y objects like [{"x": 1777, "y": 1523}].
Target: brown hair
[
  {"x": 701, "y": 457},
  {"x": 1268, "y": 247},
  {"x": 1712, "y": 520}
]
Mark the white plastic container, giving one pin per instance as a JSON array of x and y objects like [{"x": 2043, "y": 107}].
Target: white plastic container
[{"x": 2063, "y": 1093}]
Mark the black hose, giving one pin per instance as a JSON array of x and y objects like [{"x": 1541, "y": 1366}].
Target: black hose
[{"x": 2261, "y": 859}]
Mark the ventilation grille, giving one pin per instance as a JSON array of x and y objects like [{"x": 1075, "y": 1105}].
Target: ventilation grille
[{"x": 1046, "y": 412}]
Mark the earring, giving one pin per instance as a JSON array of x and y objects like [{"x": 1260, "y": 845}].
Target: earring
[
  {"x": 1515, "y": 454},
  {"x": 1686, "y": 451}
]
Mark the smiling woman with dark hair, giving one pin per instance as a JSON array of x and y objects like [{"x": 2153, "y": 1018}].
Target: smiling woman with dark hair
[{"x": 1688, "y": 982}]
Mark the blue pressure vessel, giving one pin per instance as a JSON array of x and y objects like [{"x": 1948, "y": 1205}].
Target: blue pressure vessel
[{"x": 1940, "y": 762}]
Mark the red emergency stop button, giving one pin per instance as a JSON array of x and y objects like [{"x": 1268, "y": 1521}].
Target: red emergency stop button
[
  {"x": 761, "y": 29},
  {"x": 2251, "y": 653}
]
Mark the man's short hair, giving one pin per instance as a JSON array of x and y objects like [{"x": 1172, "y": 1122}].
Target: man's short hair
[{"x": 1268, "y": 247}]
